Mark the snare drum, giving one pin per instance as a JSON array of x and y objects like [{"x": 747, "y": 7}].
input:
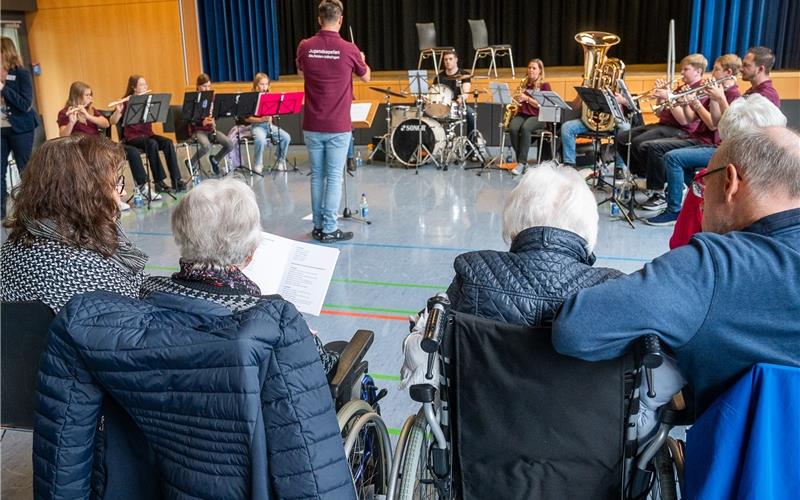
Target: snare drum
[
  {"x": 438, "y": 101},
  {"x": 400, "y": 114},
  {"x": 405, "y": 139}
]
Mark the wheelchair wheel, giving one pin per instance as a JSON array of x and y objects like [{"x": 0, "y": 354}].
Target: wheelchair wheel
[
  {"x": 348, "y": 414},
  {"x": 369, "y": 454},
  {"x": 416, "y": 481},
  {"x": 665, "y": 487}
]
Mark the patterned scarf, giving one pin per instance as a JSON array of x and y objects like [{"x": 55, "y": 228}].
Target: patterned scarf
[
  {"x": 127, "y": 256},
  {"x": 217, "y": 276}
]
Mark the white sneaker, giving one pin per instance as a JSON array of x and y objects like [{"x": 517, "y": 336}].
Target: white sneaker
[
  {"x": 123, "y": 207},
  {"x": 145, "y": 190},
  {"x": 258, "y": 169},
  {"x": 280, "y": 166}
]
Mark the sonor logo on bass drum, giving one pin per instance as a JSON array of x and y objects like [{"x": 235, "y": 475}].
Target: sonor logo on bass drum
[{"x": 413, "y": 128}]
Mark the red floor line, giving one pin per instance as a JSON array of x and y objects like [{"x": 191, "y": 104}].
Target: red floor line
[{"x": 362, "y": 315}]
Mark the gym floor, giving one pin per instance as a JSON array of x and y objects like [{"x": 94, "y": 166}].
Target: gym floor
[{"x": 420, "y": 223}]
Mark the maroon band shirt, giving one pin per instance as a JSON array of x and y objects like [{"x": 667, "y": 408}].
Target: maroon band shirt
[
  {"x": 529, "y": 109},
  {"x": 703, "y": 133},
  {"x": 666, "y": 117},
  {"x": 767, "y": 90},
  {"x": 328, "y": 63},
  {"x": 137, "y": 130},
  {"x": 87, "y": 128}
]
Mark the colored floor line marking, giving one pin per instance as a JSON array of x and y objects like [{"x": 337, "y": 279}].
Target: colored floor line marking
[
  {"x": 383, "y": 376},
  {"x": 359, "y": 315},
  {"x": 371, "y": 309},
  {"x": 162, "y": 268},
  {"x": 394, "y": 431},
  {"x": 388, "y": 283},
  {"x": 407, "y": 247}
]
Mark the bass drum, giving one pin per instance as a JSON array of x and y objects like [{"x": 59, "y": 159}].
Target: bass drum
[{"x": 405, "y": 138}]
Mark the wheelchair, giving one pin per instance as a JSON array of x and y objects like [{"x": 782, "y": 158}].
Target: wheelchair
[
  {"x": 509, "y": 435},
  {"x": 366, "y": 438}
]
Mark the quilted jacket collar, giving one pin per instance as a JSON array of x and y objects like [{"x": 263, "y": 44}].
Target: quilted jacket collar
[
  {"x": 554, "y": 240},
  {"x": 187, "y": 304}
]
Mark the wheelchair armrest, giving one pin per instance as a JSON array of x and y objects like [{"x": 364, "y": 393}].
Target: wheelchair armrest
[
  {"x": 422, "y": 393},
  {"x": 350, "y": 358}
]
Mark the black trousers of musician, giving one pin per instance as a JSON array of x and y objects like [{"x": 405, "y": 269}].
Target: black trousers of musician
[
  {"x": 520, "y": 129},
  {"x": 151, "y": 146},
  {"x": 640, "y": 135},
  {"x": 654, "y": 151},
  {"x": 138, "y": 171},
  {"x": 21, "y": 144}
]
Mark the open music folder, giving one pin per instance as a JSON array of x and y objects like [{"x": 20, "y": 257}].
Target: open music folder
[{"x": 300, "y": 272}]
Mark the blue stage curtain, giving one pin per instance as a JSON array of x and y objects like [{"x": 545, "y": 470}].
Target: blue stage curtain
[
  {"x": 239, "y": 38},
  {"x": 732, "y": 26}
]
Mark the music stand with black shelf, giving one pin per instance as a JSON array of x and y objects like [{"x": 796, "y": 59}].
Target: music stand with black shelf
[
  {"x": 604, "y": 101},
  {"x": 500, "y": 95},
  {"x": 418, "y": 87},
  {"x": 147, "y": 108},
  {"x": 196, "y": 107},
  {"x": 276, "y": 105},
  {"x": 239, "y": 106},
  {"x": 551, "y": 107}
]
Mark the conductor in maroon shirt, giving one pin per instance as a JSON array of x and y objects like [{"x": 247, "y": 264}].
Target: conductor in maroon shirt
[{"x": 326, "y": 62}]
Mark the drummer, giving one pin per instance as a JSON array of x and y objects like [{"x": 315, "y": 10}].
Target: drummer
[{"x": 460, "y": 87}]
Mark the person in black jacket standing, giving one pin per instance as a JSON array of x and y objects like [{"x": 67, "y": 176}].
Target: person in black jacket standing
[{"x": 16, "y": 110}]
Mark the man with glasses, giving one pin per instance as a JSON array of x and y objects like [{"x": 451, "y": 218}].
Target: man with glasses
[{"x": 728, "y": 299}]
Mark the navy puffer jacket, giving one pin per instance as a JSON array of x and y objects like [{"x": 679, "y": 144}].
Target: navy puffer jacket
[
  {"x": 229, "y": 406},
  {"x": 526, "y": 285}
]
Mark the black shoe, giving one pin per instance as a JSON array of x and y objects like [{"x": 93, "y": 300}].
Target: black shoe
[
  {"x": 351, "y": 165},
  {"x": 162, "y": 188},
  {"x": 214, "y": 164},
  {"x": 180, "y": 185},
  {"x": 317, "y": 234},
  {"x": 335, "y": 236}
]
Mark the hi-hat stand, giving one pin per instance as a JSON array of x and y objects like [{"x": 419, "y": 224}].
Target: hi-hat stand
[
  {"x": 383, "y": 143},
  {"x": 464, "y": 145}
]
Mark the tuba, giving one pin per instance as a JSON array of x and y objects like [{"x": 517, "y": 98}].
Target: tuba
[{"x": 599, "y": 72}]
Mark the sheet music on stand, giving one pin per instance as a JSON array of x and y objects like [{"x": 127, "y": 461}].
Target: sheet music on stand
[
  {"x": 550, "y": 105},
  {"x": 613, "y": 105},
  {"x": 418, "y": 81},
  {"x": 623, "y": 89},
  {"x": 500, "y": 93},
  {"x": 147, "y": 108},
  {"x": 196, "y": 105},
  {"x": 362, "y": 113}
]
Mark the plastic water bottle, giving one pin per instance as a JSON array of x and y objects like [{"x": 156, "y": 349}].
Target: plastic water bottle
[
  {"x": 359, "y": 160},
  {"x": 363, "y": 207},
  {"x": 138, "y": 199},
  {"x": 614, "y": 207}
]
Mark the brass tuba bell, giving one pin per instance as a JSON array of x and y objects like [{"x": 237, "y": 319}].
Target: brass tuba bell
[{"x": 599, "y": 72}]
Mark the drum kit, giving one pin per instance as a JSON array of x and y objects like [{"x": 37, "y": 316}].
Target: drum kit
[{"x": 431, "y": 130}]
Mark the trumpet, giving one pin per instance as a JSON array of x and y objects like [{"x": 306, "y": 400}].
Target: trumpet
[
  {"x": 681, "y": 97},
  {"x": 126, "y": 99},
  {"x": 650, "y": 94}
]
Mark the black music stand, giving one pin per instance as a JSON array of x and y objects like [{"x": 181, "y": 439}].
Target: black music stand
[
  {"x": 636, "y": 121},
  {"x": 500, "y": 95},
  {"x": 551, "y": 106},
  {"x": 196, "y": 107},
  {"x": 147, "y": 108},
  {"x": 239, "y": 106},
  {"x": 418, "y": 86},
  {"x": 603, "y": 101}
]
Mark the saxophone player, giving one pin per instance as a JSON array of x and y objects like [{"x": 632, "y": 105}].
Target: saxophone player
[
  {"x": 526, "y": 120},
  {"x": 204, "y": 133}
]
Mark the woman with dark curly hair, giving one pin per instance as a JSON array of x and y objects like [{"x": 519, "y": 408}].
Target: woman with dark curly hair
[{"x": 64, "y": 233}]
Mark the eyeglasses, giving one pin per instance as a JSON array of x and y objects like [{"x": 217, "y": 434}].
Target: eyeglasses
[{"x": 699, "y": 183}]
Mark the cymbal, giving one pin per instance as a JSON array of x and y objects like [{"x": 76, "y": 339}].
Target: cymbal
[
  {"x": 458, "y": 77},
  {"x": 389, "y": 91}
]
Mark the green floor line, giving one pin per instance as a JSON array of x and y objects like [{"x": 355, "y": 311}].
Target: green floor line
[
  {"x": 370, "y": 309},
  {"x": 394, "y": 431},
  {"x": 162, "y": 268},
  {"x": 389, "y": 283},
  {"x": 383, "y": 376}
]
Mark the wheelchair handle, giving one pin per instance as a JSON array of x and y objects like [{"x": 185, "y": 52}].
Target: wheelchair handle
[
  {"x": 652, "y": 358},
  {"x": 432, "y": 335}
]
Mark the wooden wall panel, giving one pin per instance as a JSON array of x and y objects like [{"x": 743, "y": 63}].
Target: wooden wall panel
[{"x": 102, "y": 42}]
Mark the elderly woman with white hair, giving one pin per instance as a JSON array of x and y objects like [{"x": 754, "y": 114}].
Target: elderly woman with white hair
[
  {"x": 550, "y": 220},
  {"x": 217, "y": 227}
]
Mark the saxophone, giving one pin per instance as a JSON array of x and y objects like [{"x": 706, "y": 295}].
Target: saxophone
[
  {"x": 599, "y": 72},
  {"x": 513, "y": 106}
]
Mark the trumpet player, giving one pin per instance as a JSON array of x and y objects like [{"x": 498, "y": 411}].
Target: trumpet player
[
  {"x": 667, "y": 156},
  {"x": 204, "y": 132},
  {"x": 692, "y": 68},
  {"x": 526, "y": 120},
  {"x": 756, "y": 66}
]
